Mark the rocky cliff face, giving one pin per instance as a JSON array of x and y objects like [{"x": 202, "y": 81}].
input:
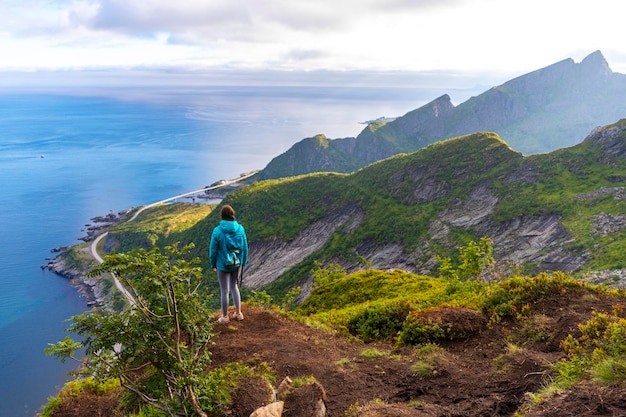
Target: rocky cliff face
[
  {"x": 609, "y": 140},
  {"x": 92, "y": 288},
  {"x": 269, "y": 258},
  {"x": 553, "y": 107},
  {"x": 539, "y": 238}
]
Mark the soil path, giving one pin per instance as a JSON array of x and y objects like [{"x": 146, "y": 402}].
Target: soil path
[{"x": 489, "y": 374}]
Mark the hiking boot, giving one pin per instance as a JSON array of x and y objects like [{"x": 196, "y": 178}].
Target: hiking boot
[
  {"x": 223, "y": 319},
  {"x": 238, "y": 316}
]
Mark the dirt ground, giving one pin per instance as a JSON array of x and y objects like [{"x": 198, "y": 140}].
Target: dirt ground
[{"x": 480, "y": 376}]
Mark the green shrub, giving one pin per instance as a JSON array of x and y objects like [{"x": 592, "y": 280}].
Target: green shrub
[
  {"x": 600, "y": 351},
  {"x": 441, "y": 323},
  {"x": 509, "y": 297},
  {"x": 324, "y": 276},
  {"x": 379, "y": 321},
  {"x": 259, "y": 299},
  {"x": 289, "y": 300},
  {"x": 77, "y": 387},
  {"x": 473, "y": 259},
  {"x": 51, "y": 406},
  {"x": 166, "y": 329},
  {"x": 417, "y": 331}
]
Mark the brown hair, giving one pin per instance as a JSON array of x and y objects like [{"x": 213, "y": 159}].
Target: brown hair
[{"x": 227, "y": 213}]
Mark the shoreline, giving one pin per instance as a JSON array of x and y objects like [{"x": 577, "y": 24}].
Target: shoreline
[
  {"x": 76, "y": 272},
  {"x": 77, "y": 278}
]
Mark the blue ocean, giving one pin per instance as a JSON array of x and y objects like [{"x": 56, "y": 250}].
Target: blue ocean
[{"x": 66, "y": 158}]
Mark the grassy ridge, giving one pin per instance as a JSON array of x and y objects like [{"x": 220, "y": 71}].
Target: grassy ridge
[
  {"x": 157, "y": 223},
  {"x": 376, "y": 302},
  {"x": 403, "y": 196}
]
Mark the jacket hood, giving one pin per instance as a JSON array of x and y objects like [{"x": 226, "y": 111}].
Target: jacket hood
[{"x": 229, "y": 226}]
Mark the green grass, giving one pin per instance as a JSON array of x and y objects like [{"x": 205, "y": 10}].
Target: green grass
[
  {"x": 79, "y": 387},
  {"x": 375, "y": 304},
  {"x": 427, "y": 356},
  {"x": 156, "y": 223}
]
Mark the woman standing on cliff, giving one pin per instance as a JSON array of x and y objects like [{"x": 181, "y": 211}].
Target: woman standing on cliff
[{"x": 228, "y": 253}]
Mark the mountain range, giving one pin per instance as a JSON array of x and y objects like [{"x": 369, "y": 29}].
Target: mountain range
[
  {"x": 558, "y": 211},
  {"x": 539, "y": 112}
]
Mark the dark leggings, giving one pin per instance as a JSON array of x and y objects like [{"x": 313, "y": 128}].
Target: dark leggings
[{"x": 228, "y": 284}]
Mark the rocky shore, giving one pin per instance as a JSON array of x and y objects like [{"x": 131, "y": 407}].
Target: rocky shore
[
  {"x": 75, "y": 262},
  {"x": 101, "y": 223},
  {"x": 77, "y": 275}
]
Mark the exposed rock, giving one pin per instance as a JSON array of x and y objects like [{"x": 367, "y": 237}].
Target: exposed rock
[
  {"x": 528, "y": 173},
  {"x": 604, "y": 224},
  {"x": 308, "y": 400},
  {"x": 270, "y": 410},
  {"x": 610, "y": 140},
  {"x": 272, "y": 257},
  {"x": 538, "y": 239},
  {"x": 102, "y": 223},
  {"x": 91, "y": 288},
  {"x": 619, "y": 194},
  {"x": 538, "y": 112},
  {"x": 284, "y": 387},
  {"x": 471, "y": 212},
  {"x": 252, "y": 393},
  {"x": 383, "y": 256},
  {"x": 425, "y": 186},
  {"x": 612, "y": 278}
]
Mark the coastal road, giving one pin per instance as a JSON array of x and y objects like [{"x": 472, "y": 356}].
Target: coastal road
[
  {"x": 93, "y": 248},
  {"x": 220, "y": 185}
]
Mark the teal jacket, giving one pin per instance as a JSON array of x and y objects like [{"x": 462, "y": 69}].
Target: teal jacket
[{"x": 217, "y": 252}]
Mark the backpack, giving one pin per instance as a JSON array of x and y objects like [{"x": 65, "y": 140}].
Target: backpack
[{"x": 233, "y": 244}]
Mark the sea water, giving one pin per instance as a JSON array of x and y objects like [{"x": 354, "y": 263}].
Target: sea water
[{"x": 65, "y": 159}]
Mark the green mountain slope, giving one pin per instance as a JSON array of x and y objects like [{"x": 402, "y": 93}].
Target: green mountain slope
[{"x": 557, "y": 211}]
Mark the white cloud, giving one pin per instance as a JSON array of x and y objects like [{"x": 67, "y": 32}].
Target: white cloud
[{"x": 455, "y": 35}]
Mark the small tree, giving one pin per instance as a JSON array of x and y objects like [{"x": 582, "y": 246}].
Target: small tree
[
  {"x": 289, "y": 300},
  {"x": 473, "y": 258},
  {"x": 323, "y": 276},
  {"x": 158, "y": 347},
  {"x": 367, "y": 264}
]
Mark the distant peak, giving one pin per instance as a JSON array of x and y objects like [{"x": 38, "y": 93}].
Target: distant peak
[
  {"x": 441, "y": 105},
  {"x": 442, "y": 99},
  {"x": 595, "y": 56},
  {"x": 595, "y": 63}
]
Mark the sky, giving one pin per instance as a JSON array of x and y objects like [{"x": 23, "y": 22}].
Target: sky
[{"x": 487, "y": 38}]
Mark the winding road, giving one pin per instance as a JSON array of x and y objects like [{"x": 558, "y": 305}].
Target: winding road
[{"x": 93, "y": 248}]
